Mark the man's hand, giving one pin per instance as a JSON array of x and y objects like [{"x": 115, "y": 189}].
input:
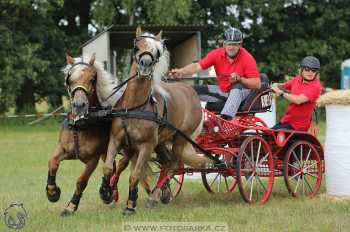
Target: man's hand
[
  {"x": 175, "y": 73},
  {"x": 235, "y": 77},
  {"x": 276, "y": 89}
]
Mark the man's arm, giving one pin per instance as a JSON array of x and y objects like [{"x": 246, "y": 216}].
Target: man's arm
[
  {"x": 251, "y": 83},
  {"x": 188, "y": 70}
]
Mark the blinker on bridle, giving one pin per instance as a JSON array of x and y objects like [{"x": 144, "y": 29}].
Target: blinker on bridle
[{"x": 69, "y": 74}]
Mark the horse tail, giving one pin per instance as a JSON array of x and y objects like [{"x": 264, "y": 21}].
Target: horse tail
[{"x": 190, "y": 156}]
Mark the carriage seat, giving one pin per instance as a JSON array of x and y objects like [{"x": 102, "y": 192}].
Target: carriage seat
[{"x": 257, "y": 101}]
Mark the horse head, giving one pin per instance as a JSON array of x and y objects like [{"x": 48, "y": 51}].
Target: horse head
[
  {"x": 149, "y": 49},
  {"x": 80, "y": 81}
]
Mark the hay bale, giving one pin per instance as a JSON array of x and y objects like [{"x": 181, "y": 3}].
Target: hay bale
[
  {"x": 337, "y": 146},
  {"x": 338, "y": 97}
]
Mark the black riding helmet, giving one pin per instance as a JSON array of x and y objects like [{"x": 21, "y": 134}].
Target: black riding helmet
[
  {"x": 310, "y": 62},
  {"x": 233, "y": 35}
]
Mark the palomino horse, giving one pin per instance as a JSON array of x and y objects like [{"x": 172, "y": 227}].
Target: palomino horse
[
  {"x": 177, "y": 102},
  {"x": 88, "y": 86},
  {"x": 87, "y": 144}
]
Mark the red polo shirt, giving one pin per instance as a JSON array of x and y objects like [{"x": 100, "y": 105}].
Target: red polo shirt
[
  {"x": 300, "y": 116},
  {"x": 243, "y": 64}
]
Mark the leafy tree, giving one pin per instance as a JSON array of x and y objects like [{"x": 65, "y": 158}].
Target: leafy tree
[{"x": 34, "y": 39}]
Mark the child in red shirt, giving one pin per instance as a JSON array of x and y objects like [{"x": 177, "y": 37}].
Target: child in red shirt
[{"x": 303, "y": 91}]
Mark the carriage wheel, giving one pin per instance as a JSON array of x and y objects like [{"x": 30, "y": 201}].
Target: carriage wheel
[
  {"x": 255, "y": 170},
  {"x": 302, "y": 169},
  {"x": 172, "y": 187},
  {"x": 222, "y": 181}
]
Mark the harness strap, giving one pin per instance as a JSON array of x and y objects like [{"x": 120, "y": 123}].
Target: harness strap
[
  {"x": 152, "y": 116},
  {"x": 76, "y": 143},
  {"x": 127, "y": 137}
]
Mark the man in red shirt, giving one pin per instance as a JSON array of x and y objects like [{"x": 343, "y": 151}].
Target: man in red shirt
[
  {"x": 235, "y": 68},
  {"x": 303, "y": 91}
]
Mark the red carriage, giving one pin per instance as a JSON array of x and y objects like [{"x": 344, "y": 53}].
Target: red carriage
[{"x": 253, "y": 154}]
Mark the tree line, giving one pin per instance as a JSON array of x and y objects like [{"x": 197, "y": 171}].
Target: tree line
[{"x": 34, "y": 36}]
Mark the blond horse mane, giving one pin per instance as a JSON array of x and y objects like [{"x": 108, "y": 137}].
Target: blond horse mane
[{"x": 161, "y": 67}]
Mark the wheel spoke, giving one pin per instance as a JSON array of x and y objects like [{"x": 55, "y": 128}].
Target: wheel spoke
[
  {"x": 218, "y": 183},
  {"x": 248, "y": 179},
  {"x": 251, "y": 190},
  {"x": 312, "y": 175},
  {"x": 308, "y": 184},
  {"x": 296, "y": 187},
  {"x": 311, "y": 165},
  {"x": 308, "y": 155},
  {"x": 214, "y": 179},
  {"x": 261, "y": 183},
  {"x": 263, "y": 159},
  {"x": 297, "y": 168},
  {"x": 297, "y": 174},
  {"x": 226, "y": 183},
  {"x": 296, "y": 157},
  {"x": 258, "y": 154},
  {"x": 177, "y": 181},
  {"x": 249, "y": 160}
]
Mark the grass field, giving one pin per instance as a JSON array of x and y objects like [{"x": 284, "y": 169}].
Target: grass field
[{"x": 24, "y": 152}]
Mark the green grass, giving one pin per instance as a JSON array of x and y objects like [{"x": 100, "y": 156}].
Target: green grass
[{"x": 25, "y": 151}]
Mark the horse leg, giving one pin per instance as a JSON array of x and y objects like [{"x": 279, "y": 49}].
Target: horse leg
[
  {"x": 106, "y": 191},
  {"x": 163, "y": 192},
  {"x": 145, "y": 151},
  {"x": 80, "y": 187},
  {"x": 105, "y": 187},
  {"x": 53, "y": 192},
  {"x": 122, "y": 164}
]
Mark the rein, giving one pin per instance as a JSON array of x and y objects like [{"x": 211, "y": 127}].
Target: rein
[
  {"x": 150, "y": 116},
  {"x": 117, "y": 88}
]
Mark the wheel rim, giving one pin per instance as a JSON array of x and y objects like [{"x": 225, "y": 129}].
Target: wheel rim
[
  {"x": 175, "y": 184},
  {"x": 302, "y": 170},
  {"x": 255, "y": 170},
  {"x": 220, "y": 181}
]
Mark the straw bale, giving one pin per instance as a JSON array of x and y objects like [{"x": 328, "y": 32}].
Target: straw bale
[{"x": 336, "y": 97}]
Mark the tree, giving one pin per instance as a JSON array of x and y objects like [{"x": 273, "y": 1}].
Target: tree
[{"x": 35, "y": 39}]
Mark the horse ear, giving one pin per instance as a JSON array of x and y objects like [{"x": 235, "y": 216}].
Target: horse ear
[
  {"x": 92, "y": 59},
  {"x": 69, "y": 59},
  {"x": 159, "y": 36},
  {"x": 138, "y": 31}
]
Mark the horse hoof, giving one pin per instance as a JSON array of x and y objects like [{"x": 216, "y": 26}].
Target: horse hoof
[
  {"x": 54, "y": 197},
  {"x": 128, "y": 212},
  {"x": 166, "y": 196},
  {"x": 66, "y": 213},
  {"x": 151, "y": 204},
  {"x": 106, "y": 195}
]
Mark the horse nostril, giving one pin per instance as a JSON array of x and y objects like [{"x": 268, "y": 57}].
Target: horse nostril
[{"x": 83, "y": 104}]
